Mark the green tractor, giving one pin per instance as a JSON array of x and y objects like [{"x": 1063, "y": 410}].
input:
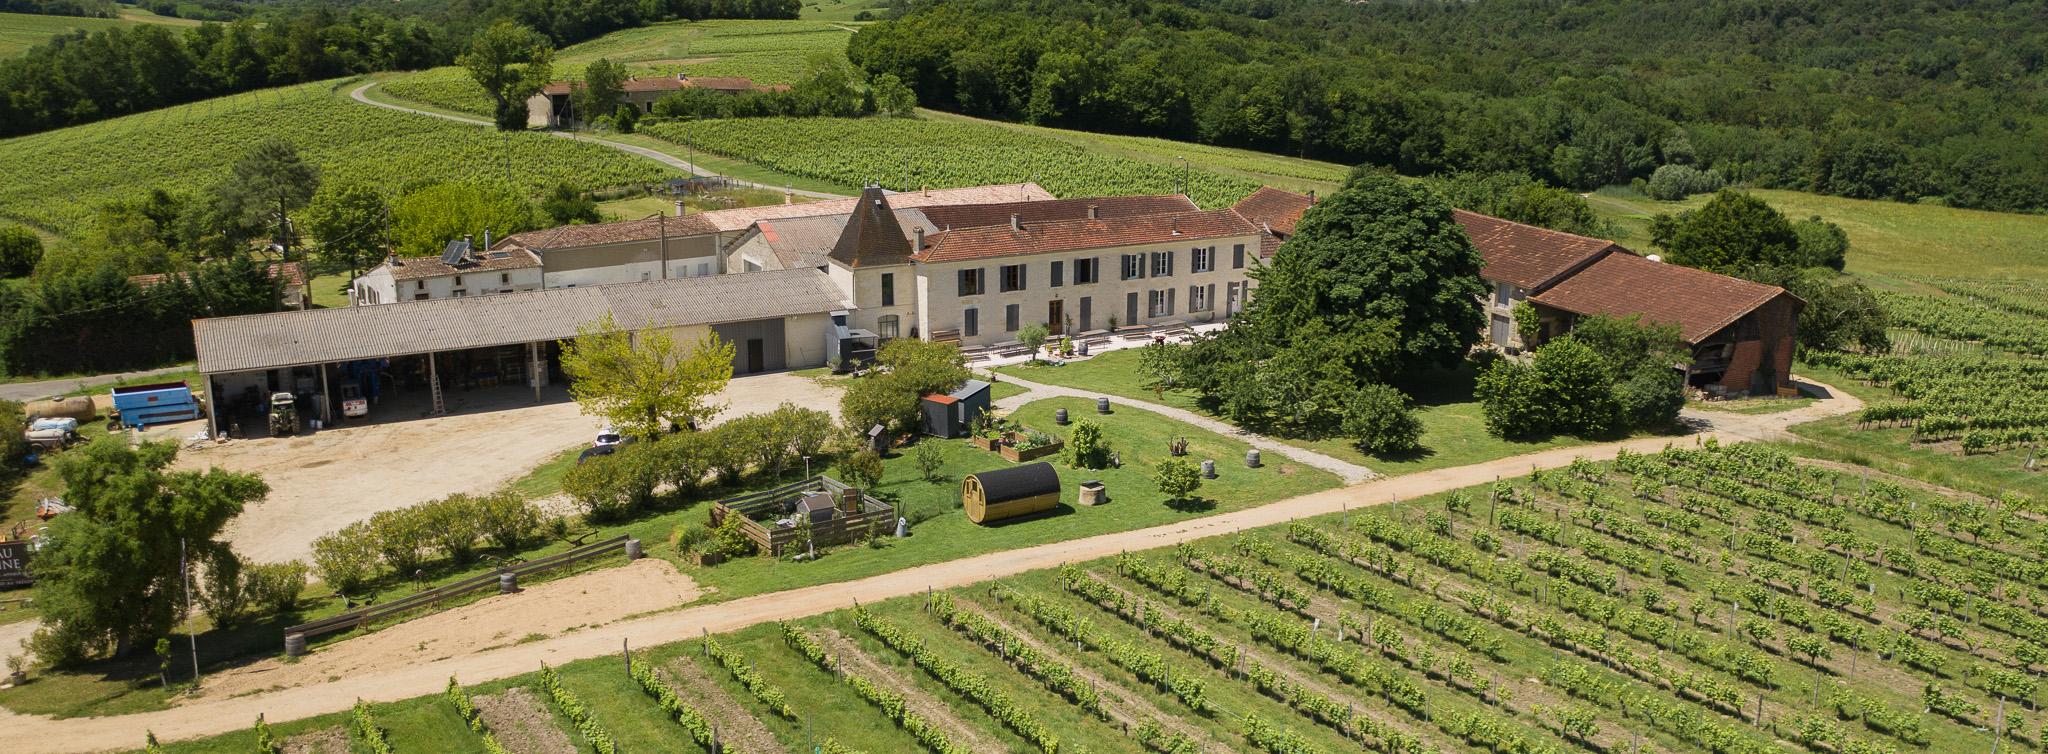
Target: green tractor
[{"x": 284, "y": 415}]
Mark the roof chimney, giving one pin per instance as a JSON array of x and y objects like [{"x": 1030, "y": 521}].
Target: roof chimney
[
  {"x": 920, "y": 240},
  {"x": 487, "y": 238},
  {"x": 927, "y": 189},
  {"x": 1016, "y": 221},
  {"x": 1094, "y": 211},
  {"x": 679, "y": 208},
  {"x": 1176, "y": 225},
  {"x": 466, "y": 241},
  {"x": 391, "y": 258}
]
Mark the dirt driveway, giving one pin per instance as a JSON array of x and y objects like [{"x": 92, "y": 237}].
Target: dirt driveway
[{"x": 331, "y": 478}]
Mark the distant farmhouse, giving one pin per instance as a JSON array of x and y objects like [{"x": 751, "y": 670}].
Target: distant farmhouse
[
  {"x": 555, "y": 105},
  {"x": 796, "y": 285}
]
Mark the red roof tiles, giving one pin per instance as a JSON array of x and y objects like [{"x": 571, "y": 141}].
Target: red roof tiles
[
  {"x": 1277, "y": 209},
  {"x": 1066, "y": 235},
  {"x": 1699, "y": 302},
  {"x": 978, "y": 215},
  {"x": 645, "y": 229},
  {"x": 1526, "y": 256}
]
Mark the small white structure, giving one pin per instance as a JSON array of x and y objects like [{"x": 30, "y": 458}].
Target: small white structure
[{"x": 459, "y": 272}]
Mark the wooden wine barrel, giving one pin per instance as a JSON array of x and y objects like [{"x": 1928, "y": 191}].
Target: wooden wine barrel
[{"x": 1007, "y": 493}]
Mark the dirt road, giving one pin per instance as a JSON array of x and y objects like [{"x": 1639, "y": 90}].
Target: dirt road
[{"x": 394, "y": 681}]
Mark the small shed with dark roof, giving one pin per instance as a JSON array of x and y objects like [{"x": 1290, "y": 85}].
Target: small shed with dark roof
[{"x": 995, "y": 495}]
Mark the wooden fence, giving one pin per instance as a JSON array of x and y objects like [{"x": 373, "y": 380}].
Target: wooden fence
[
  {"x": 875, "y": 516},
  {"x": 488, "y": 580}
]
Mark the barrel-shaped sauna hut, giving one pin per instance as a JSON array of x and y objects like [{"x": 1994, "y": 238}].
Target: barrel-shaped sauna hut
[{"x": 1008, "y": 493}]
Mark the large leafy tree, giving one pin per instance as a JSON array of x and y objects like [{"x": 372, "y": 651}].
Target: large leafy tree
[
  {"x": 604, "y": 82},
  {"x": 347, "y": 219},
  {"x": 269, "y": 182},
  {"x": 110, "y": 575},
  {"x": 1382, "y": 250},
  {"x": 1841, "y": 314},
  {"x": 511, "y": 63},
  {"x": 637, "y": 380},
  {"x": 1733, "y": 230},
  {"x": 20, "y": 250},
  {"x": 426, "y": 218}
]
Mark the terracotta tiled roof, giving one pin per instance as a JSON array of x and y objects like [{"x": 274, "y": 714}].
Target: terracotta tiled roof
[
  {"x": 644, "y": 229},
  {"x": 1066, "y": 235},
  {"x": 294, "y": 275},
  {"x": 977, "y": 215},
  {"x": 728, "y": 220},
  {"x": 1526, "y": 256},
  {"x": 726, "y": 83},
  {"x": 1699, "y": 302},
  {"x": 1278, "y": 209},
  {"x": 415, "y": 268},
  {"x": 872, "y": 236}
]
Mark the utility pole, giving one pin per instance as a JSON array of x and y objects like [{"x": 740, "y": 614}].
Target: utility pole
[{"x": 185, "y": 575}]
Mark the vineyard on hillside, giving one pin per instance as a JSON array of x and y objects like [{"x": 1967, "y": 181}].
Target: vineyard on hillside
[
  {"x": 1717, "y": 600},
  {"x": 908, "y": 154},
  {"x": 57, "y": 179}
]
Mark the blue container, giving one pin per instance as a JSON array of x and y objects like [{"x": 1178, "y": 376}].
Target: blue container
[{"x": 143, "y": 405}]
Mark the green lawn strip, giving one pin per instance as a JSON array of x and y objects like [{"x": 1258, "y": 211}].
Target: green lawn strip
[
  {"x": 1752, "y": 406},
  {"x": 1454, "y": 431},
  {"x": 827, "y": 708},
  {"x": 1001, "y": 390},
  {"x": 1135, "y": 501},
  {"x": 546, "y": 479},
  {"x": 244, "y": 740},
  {"x": 1292, "y": 173},
  {"x": 1889, "y": 449},
  {"x": 634, "y": 719},
  {"x": 732, "y": 168}
]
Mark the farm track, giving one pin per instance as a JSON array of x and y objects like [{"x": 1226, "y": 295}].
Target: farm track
[
  {"x": 214, "y": 715},
  {"x": 358, "y": 96}
]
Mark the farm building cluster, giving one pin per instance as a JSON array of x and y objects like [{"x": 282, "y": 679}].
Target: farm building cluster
[{"x": 800, "y": 285}]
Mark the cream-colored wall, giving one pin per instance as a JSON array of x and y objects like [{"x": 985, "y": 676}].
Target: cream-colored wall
[
  {"x": 630, "y": 262},
  {"x": 481, "y": 283},
  {"x": 377, "y": 281},
  {"x": 941, "y": 307},
  {"x": 803, "y": 338}
]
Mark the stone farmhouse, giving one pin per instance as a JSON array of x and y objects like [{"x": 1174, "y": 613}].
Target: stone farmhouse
[
  {"x": 554, "y": 106},
  {"x": 461, "y": 270}
]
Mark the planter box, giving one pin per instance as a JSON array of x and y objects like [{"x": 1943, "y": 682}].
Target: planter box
[
  {"x": 989, "y": 444},
  {"x": 1019, "y": 456},
  {"x": 710, "y": 558}
]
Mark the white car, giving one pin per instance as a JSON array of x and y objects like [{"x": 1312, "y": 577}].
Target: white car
[{"x": 611, "y": 437}]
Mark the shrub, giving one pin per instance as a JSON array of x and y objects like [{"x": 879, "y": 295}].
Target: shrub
[
  {"x": 1651, "y": 398},
  {"x": 275, "y": 587},
  {"x": 401, "y": 537},
  {"x": 861, "y": 469},
  {"x": 1674, "y": 182},
  {"x": 1511, "y": 400},
  {"x": 731, "y": 541},
  {"x": 507, "y": 520},
  {"x": 346, "y": 559},
  {"x": 221, "y": 594},
  {"x": 809, "y": 429},
  {"x": 1086, "y": 449},
  {"x": 14, "y": 446},
  {"x": 890, "y": 400},
  {"x": 929, "y": 460},
  {"x": 453, "y": 525},
  {"x": 1378, "y": 419},
  {"x": 1178, "y": 477},
  {"x": 1576, "y": 388},
  {"x": 609, "y": 487}
]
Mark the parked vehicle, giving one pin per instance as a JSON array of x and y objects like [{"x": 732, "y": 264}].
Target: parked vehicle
[
  {"x": 52, "y": 434},
  {"x": 353, "y": 404},
  {"x": 610, "y": 437},
  {"x": 284, "y": 415},
  {"x": 593, "y": 452}
]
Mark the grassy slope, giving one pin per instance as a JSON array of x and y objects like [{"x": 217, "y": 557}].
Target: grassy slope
[
  {"x": 1455, "y": 434},
  {"x": 56, "y": 177},
  {"x": 1291, "y": 173},
  {"x": 20, "y": 31}
]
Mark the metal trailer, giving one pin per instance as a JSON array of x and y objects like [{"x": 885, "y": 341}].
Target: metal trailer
[{"x": 143, "y": 405}]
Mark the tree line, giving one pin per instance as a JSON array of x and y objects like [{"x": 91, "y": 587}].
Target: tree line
[
  {"x": 1910, "y": 100},
  {"x": 81, "y": 77}
]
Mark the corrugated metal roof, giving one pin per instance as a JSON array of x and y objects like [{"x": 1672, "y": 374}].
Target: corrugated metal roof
[{"x": 269, "y": 341}]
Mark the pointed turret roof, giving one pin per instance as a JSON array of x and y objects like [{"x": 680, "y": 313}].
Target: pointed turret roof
[{"x": 872, "y": 237}]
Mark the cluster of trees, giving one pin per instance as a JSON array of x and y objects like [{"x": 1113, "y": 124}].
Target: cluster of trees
[
  {"x": 101, "y": 321},
  {"x": 1877, "y": 99},
  {"x": 1739, "y": 234},
  {"x": 681, "y": 463},
  {"x": 1378, "y": 279},
  {"x": 76, "y": 8},
  {"x": 1609, "y": 376},
  {"x": 830, "y": 92},
  {"x": 109, "y": 577},
  {"x": 890, "y": 396},
  {"x": 454, "y": 528},
  {"x": 81, "y": 77}
]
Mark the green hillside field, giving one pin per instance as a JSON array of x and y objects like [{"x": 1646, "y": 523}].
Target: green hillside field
[
  {"x": 20, "y": 31},
  {"x": 55, "y": 179}
]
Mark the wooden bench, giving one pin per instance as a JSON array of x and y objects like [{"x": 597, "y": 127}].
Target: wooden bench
[
  {"x": 946, "y": 336},
  {"x": 1171, "y": 330},
  {"x": 1134, "y": 332},
  {"x": 1094, "y": 337}
]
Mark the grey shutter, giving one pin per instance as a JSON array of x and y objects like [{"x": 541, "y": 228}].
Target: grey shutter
[
  {"x": 1210, "y": 300},
  {"x": 1169, "y": 302},
  {"x": 1097, "y": 276},
  {"x": 1237, "y": 257},
  {"x": 963, "y": 284},
  {"x": 972, "y": 323},
  {"x": 1021, "y": 269},
  {"x": 1010, "y": 318},
  {"x": 1057, "y": 277},
  {"x": 981, "y": 280}
]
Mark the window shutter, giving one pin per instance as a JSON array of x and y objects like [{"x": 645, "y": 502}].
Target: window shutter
[
  {"x": 1021, "y": 269},
  {"x": 973, "y": 322},
  {"x": 1169, "y": 302},
  {"x": 981, "y": 280},
  {"x": 1237, "y": 257},
  {"x": 1057, "y": 274},
  {"x": 963, "y": 284},
  {"x": 1209, "y": 301}
]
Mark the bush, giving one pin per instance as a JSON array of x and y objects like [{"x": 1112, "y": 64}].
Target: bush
[
  {"x": 401, "y": 537},
  {"x": 14, "y": 446},
  {"x": 1651, "y": 398},
  {"x": 1821, "y": 244},
  {"x": 1379, "y": 420},
  {"x": 861, "y": 469},
  {"x": 929, "y": 460},
  {"x": 507, "y": 520},
  {"x": 453, "y": 525},
  {"x": 346, "y": 559},
  {"x": 275, "y": 587},
  {"x": 1178, "y": 477},
  {"x": 1085, "y": 447},
  {"x": 1576, "y": 389},
  {"x": 221, "y": 594},
  {"x": 1674, "y": 182},
  {"x": 731, "y": 541},
  {"x": 610, "y": 487},
  {"x": 889, "y": 399},
  {"x": 1511, "y": 400},
  {"x": 20, "y": 250}
]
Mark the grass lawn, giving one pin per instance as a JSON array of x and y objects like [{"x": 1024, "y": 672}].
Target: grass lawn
[
  {"x": 1000, "y": 390},
  {"x": 1752, "y": 406},
  {"x": 20, "y": 31},
  {"x": 1454, "y": 432},
  {"x": 944, "y": 533},
  {"x": 1885, "y": 237},
  {"x": 1292, "y": 173},
  {"x": 1838, "y": 438}
]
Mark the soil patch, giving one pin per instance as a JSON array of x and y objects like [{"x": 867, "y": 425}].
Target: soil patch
[
  {"x": 737, "y": 730},
  {"x": 522, "y": 724},
  {"x": 582, "y": 601},
  {"x": 324, "y": 741},
  {"x": 961, "y": 733}
]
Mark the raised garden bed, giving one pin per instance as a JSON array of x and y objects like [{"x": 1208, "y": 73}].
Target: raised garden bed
[
  {"x": 762, "y": 510},
  {"x": 1006, "y": 444}
]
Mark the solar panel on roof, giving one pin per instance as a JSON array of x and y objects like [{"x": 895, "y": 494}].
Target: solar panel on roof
[{"x": 455, "y": 252}]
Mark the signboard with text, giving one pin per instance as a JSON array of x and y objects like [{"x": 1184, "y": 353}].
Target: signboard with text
[{"x": 14, "y": 563}]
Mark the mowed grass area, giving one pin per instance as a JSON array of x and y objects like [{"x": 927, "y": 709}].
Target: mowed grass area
[
  {"x": 1454, "y": 431},
  {"x": 1842, "y": 438},
  {"x": 21, "y": 31},
  {"x": 1886, "y": 238},
  {"x": 57, "y": 178},
  {"x": 944, "y": 533},
  {"x": 1292, "y": 173}
]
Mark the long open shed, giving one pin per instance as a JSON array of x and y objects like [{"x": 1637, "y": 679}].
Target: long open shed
[{"x": 1008, "y": 493}]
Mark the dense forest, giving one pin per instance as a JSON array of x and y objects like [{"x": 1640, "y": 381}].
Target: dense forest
[
  {"x": 1909, "y": 100},
  {"x": 82, "y": 77}
]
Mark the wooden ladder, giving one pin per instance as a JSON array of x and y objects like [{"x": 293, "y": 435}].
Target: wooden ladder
[{"x": 434, "y": 384}]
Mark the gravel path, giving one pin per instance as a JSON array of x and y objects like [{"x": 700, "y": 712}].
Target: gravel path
[
  {"x": 216, "y": 714},
  {"x": 1351, "y": 473}
]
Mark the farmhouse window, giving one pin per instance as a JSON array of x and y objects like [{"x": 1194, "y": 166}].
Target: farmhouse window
[
  {"x": 1237, "y": 257},
  {"x": 970, "y": 282},
  {"x": 1085, "y": 271},
  {"x": 1010, "y": 318},
  {"x": 887, "y": 326},
  {"x": 889, "y": 290},
  {"x": 1199, "y": 297},
  {"x": 459, "y": 293},
  {"x": 458, "y": 280},
  {"x": 504, "y": 278},
  {"x": 1159, "y": 303},
  {"x": 1013, "y": 277},
  {"x": 1134, "y": 266},
  {"x": 970, "y": 322},
  {"x": 1500, "y": 294},
  {"x": 1058, "y": 270},
  {"x": 1162, "y": 264},
  {"x": 1204, "y": 259},
  {"x": 419, "y": 285},
  {"x": 703, "y": 269}
]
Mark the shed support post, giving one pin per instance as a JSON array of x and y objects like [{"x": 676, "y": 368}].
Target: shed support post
[
  {"x": 533, "y": 371},
  {"x": 326, "y": 410},
  {"x": 212, "y": 405}
]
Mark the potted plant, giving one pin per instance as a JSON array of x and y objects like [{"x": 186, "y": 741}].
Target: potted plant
[{"x": 17, "y": 670}]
